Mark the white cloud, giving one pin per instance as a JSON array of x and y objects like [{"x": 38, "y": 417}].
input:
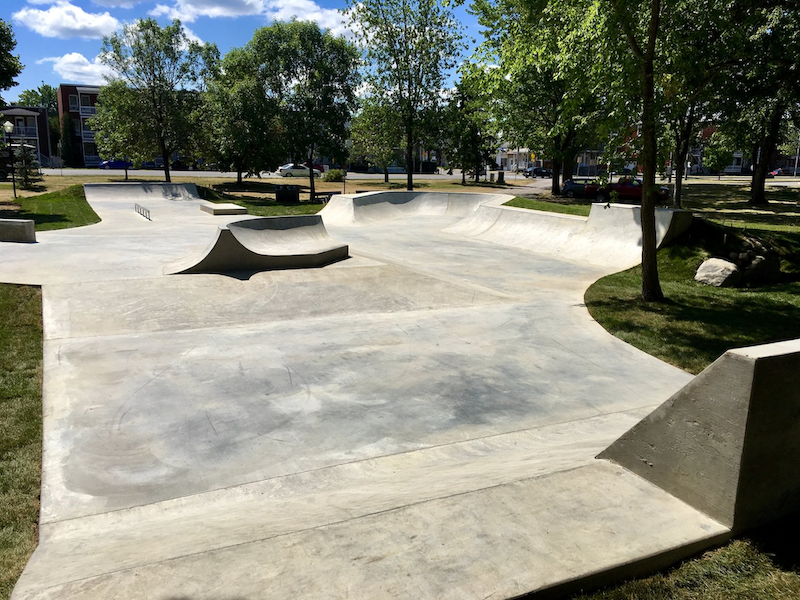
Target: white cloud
[
  {"x": 112, "y": 3},
  {"x": 63, "y": 20},
  {"x": 77, "y": 68},
  {"x": 188, "y": 10},
  {"x": 307, "y": 10}
]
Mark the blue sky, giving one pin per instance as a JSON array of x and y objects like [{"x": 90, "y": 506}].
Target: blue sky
[{"x": 58, "y": 40}]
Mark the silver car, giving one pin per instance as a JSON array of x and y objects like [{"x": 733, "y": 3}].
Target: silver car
[{"x": 295, "y": 170}]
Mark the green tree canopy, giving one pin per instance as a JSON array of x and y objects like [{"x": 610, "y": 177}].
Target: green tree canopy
[
  {"x": 159, "y": 68},
  {"x": 410, "y": 46},
  {"x": 376, "y": 132},
  {"x": 10, "y": 66},
  {"x": 313, "y": 76}
]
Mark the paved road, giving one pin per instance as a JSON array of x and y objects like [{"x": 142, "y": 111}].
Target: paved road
[{"x": 456, "y": 176}]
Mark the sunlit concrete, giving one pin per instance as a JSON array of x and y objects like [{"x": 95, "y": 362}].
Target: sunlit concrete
[{"x": 419, "y": 420}]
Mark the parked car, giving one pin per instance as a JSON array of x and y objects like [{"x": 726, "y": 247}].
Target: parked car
[
  {"x": 116, "y": 164},
  {"x": 537, "y": 172},
  {"x": 316, "y": 166},
  {"x": 572, "y": 189},
  {"x": 296, "y": 170},
  {"x": 628, "y": 189}
]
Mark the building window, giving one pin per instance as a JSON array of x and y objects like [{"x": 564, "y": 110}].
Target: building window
[
  {"x": 76, "y": 127},
  {"x": 73, "y": 102},
  {"x": 89, "y": 149}
]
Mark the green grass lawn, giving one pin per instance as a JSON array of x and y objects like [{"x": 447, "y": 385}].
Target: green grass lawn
[
  {"x": 54, "y": 210},
  {"x": 21, "y": 427},
  {"x": 556, "y": 207}
]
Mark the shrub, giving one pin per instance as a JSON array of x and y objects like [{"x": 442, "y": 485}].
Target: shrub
[{"x": 334, "y": 175}]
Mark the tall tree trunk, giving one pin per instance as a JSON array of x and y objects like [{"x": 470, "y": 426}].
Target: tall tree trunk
[
  {"x": 463, "y": 176},
  {"x": 311, "y": 177},
  {"x": 684, "y": 131},
  {"x": 768, "y": 147},
  {"x": 566, "y": 169},
  {"x": 555, "y": 188},
  {"x": 386, "y": 174},
  {"x": 651, "y": 287},
  {"x": 409, "y": 152},
  {"x": 239, "y": 177},
  {"x": 165, "y": 157}
]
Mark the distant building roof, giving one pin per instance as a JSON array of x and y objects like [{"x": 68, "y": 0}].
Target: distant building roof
[{"x": 15, "y": 111}]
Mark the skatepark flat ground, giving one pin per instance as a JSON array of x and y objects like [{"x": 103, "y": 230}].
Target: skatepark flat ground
[{"x": 403, "y": 423}]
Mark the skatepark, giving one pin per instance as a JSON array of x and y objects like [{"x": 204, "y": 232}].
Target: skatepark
[{"x": 403, "y": 397}]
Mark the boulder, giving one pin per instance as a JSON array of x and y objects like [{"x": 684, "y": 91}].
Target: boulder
[
  {"x": 762, "y": 269},
  {"x": 719, "y": 273}
]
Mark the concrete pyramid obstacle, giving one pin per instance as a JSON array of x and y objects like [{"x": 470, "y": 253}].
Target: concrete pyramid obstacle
[
  {"x": 728, "y": 443},
  {"x": 291, "y": 242}
]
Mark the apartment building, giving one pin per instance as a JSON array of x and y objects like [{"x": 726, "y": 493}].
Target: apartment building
[
  {"x": 31, "y": 128},
  {"x": 77, "y": 104}
]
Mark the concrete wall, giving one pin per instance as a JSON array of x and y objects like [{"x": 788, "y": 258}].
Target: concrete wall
[
  {"x": 17, "y": 230},
  {"x": 729, "y": 442}
]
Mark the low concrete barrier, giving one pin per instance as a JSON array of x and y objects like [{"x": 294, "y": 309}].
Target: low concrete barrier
[
  {"x": 17, "y": 230},
  {"x": 728, "y": 443}
]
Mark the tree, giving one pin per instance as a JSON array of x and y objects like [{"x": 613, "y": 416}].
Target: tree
[
  {"x": 45, "y": 96},
  {"x": 10, "y": 66},
  {"x": 313, "y": 76},
  {"x": 245, "y": 131},
  {"x": 26, "y": 167},
  {"x": 70, "y": 149},
  {"x": 376, "y": 133},
  {"x": 718, "y": 152},
  {"x": 542, "y": 101},
  {"x": 118, "y": 124},
  {"x": 159, "y": 67},
  {"x": 471, "y": 136},
  {"x": 410, "y": 45}
]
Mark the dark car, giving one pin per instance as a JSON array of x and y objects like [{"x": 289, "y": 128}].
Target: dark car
[
  {"x": 537, "y": 172},
  {"x": 116, "y": 164},
  {"x": 571, "y": 188},
  {"x": 628, "y": 189}
]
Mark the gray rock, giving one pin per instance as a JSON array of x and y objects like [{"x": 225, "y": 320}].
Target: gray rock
[
  {"x": 762, "y": 269},
  {"x": 719, "y": 273}
]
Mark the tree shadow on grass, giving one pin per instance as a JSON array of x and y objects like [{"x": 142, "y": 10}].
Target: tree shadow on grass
[{"x": 38, "y": 218}]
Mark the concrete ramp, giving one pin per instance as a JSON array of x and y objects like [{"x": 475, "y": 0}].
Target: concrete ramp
[
  {"x": 728, "y": 443},
  {"x": 379, "y": 207},
  {"x": 140, "y": 192},
  {"x": 611, "y": 236},
  {"x": 291, "y": 242}
]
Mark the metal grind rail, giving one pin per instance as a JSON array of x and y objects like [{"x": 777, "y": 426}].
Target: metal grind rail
[{"x": 142, "y": 211}]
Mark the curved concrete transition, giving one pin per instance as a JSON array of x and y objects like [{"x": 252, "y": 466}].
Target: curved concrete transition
[
  {"x": 379, "y": 207},
  {"x": 611, "y": 236},
  {"x": 289, "y": 242},
  {"x": 418, "y": 421}
]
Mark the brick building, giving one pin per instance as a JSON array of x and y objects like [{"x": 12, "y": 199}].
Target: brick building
[{"x": 76, "y": 103}]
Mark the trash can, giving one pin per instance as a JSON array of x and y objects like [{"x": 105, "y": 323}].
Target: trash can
[{"x": 287, "y": 194}]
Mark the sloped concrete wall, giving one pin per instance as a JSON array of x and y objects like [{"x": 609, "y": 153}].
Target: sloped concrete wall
[{"x": 729, "y": 442}]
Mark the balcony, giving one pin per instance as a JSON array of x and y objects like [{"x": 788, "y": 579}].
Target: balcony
[
  {"x": 92, "y": 161},
  {"x": 87, "y": 135},
  {"x": 88, "y": 110},
  {"x": 24, "y": 132}
]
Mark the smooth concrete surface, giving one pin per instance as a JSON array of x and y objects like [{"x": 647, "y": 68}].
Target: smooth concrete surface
[
  {"x": 263, "y": 244},
  {"x": 729, "y": 442},
  {"x": 17, "y": 230},
  {"x": 420, "y": 420},
  {"x": 610, "y": 236},
  {"x": 223, "y": 208}
]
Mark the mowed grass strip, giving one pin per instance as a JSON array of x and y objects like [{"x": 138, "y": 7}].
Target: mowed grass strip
[
  {"x": 761, "y": 567},
  {"x": 20, "y": 427},
  {"x": 556, "y": 207},
  {"x": 55, "y": 210}
]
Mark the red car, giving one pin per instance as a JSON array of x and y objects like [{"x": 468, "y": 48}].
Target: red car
[{"x": 628, "y": 189}]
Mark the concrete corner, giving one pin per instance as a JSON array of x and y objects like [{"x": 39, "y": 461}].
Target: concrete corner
[{"x": 729, "y": 442}]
